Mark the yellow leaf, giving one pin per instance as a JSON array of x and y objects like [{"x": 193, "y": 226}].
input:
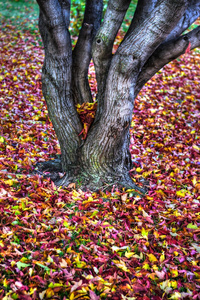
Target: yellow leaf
[
  {"x": 71, "y": 297},
  {"x": 83, "y": 290},
  {"x": 196, "y": 147},
  {"x": 129, "y": 254},
  {"x": 162, "y": 257},
  {"x": 2, "y": 139},
  {"x": 174, "y": 273},
  {"x": 138, "y": 170},
  {"x": 49, "y": 293},
  {"x": 173, "y": 284},
  {"x": 146, "y": 267},
  {"x": 121, "y": 265},
  {"x": 152, "y": 276},
  {"x": 66, "y": 224},
  {"x": 197, "y": 275},
  {"x": 161, "y": 193},
  {"x": 144, "y": 233},
  {"x": 176, "y": 213},
  {"x": 152, "y": 258},
  {"x": 165, "y": 284},
  {"x": 148, "y": 149},
  {"x": 69, "y": 250},
  {"x": 49, "y": 259},
  {"x": 14, "y": 78},
  {"x": 155, "y": 267},
  {"x": 194, "y": 180},
  {"x": 176, "y": 296},
  {"x": 156, "y": 234},
  {"x": 32, "y": 291},
  {"x": 5, "y": 283},
  {"x": 75, "y": 193},
  {"x": 81, "y": 264},
  {"x": 181, "y": 193},
  {"x": 10, "y": 181}
]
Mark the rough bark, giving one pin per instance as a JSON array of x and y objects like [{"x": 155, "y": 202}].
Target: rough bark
[
  {"x": 106, "y": 148},
  {"x": 103, "y": 44},
  {"x": 56, "y": 79},
  {"x": 191, "y": 14},
  {"x": 166, "y": 53},
  {"x": 65, "y": 5},
  {"x": 142, "y": 12},
  {"x": 82, "y": 53},
  {"x": 104, "y": 157}
]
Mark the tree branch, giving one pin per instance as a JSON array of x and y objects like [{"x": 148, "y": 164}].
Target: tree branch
[
  {"x": 103, "y": 43},
  {"x": 140, "y": 44},
  {"x": 136, "y": 49},
  {"x": 191, "y": 14},
  {"x": 143, "y": 9},
  {"x": 144, "y": 40},
  {"x": 166, "y": 53},
  {"x": 56, "y": 79},
  {"x": 53, "y": 20},
  {"x": 81, "y": 60},
  {"x": 83, "y": 51},
  {"x": 65, "y": 5}
]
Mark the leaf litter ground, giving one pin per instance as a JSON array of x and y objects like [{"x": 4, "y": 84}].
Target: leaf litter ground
[{"x": 68, "y": 244}]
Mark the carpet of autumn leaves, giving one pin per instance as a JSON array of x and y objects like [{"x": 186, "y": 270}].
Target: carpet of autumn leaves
[{"x": 68, "y": 244}]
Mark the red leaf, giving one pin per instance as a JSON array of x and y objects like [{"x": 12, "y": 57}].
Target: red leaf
[{"x": 188, "y": 48}]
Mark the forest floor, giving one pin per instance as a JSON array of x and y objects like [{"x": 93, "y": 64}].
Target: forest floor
[{"x": 68, "y": 244}]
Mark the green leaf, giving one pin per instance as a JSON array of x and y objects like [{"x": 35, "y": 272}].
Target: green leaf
[
  {"x": 2, "y": 139},
  {"x": 22, "y": 265},
  {"x": 42, "y": 266},
  {"x": 192, "y": 226},
  {"x": 52, "y": 285},
  {"x": 144, "y": 233}
]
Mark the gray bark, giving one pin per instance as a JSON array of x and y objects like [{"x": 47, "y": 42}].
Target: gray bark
[
  {"x": 65, "y": 5},
  {"x": 106, "y": 148},
  {"x": 104, "y": 156},
  {"x": 142, "y": 12},
  {"x": 56, "y": 79},
  {"x": 103, "y": 44},
  {"x": 190, "y": 16},
  {"x": 166, "y": 53},
  {"x": 82, "y": 53}
]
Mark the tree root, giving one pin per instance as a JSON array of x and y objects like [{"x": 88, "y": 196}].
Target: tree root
[
  {"x": 49, "y": 169},
  {"x": 49, "y": 166},
  {"x": 52, "y": 169},
  {"x": 93, "y": 183},
  {"x": 129, "y": 184}
]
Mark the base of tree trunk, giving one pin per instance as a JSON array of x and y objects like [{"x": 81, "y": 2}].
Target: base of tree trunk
[{"x": 53, "y": 169}]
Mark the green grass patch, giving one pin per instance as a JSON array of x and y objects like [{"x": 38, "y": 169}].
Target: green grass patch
[{"x": 21, "y": 13}]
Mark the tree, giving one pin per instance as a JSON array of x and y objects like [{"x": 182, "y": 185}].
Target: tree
[{"x": 154, "y": 38}]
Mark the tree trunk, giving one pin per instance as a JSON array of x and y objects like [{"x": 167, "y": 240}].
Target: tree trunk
[{"x": 102, "y": 159}]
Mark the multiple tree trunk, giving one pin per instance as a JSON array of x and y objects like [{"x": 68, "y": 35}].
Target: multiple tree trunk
[{"x": 152, "y": 40}]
